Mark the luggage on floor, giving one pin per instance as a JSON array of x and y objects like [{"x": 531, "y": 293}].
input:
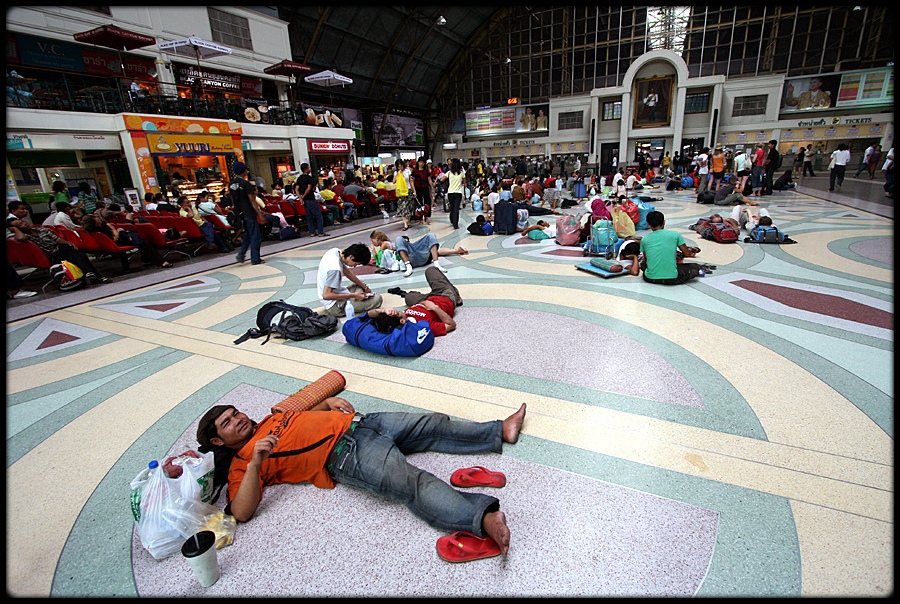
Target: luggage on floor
[
  {"x": 580, "y": 190},
  {"x": 505, "y": 218},
  {"x": 568, "y": 230},
  {"x": 521, "y": 219},
  {"x": 644, "y": 208},
  {"x": 604, "y": 241}
]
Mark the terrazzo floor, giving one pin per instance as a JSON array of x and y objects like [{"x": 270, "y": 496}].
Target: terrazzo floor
[{"x": 732, "y": 436}]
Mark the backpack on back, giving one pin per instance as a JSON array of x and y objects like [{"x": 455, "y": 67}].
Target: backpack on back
[{"x": 288, "y": 321}]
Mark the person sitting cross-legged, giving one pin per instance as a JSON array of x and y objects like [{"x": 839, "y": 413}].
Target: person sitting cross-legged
[{"x": 660, "y": 249}]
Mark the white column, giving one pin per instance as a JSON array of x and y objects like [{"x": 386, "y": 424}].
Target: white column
[
  {"x": 678, "y": 122},
  {"x": 624, "y": 129}
]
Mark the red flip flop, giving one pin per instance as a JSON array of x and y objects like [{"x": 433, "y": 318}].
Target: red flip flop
[
  {"x": 477, "y": 476},
  {"x": 465, "y": 547}
]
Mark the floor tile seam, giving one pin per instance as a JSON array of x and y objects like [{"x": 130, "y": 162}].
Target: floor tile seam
[
  {"x": 70, "y": 368},
  {"x": 446, "y": 385},
  {"x": 735, "y": 471},
  {"x": 821, "y": 255},
  {"x": 201, "y": 344},
  {"x": 653, "y": 434},
  {"x": 669, "y": 323}
]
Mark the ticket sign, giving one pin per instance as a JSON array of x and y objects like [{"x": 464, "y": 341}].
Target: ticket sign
[
  {"x": 188, "y": 144},
  {"x": 329, "y": 146}
]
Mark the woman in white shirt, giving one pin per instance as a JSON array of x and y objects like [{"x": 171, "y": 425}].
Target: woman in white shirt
[{"x": 840, "y": 157}]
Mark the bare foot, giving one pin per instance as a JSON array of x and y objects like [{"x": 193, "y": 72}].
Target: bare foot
[
  {"x": 494, "y": 524},
  {"x": 512, "y": 425},
  {"x": 462, "y": 251}
]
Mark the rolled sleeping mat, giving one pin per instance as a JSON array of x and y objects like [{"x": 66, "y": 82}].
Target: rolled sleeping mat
[{"x": 314, "y": 393}]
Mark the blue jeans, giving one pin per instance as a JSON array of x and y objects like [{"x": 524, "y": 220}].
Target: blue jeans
[
  {"x": 314, "y": 221},
  {"x": 418, "y": 251},
  {"x": 252, "y": 239},
  {"x": 756, "y": 178},
  {"x": 374, "y": 459}
]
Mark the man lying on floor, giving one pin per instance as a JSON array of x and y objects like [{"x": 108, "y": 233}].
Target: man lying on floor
[{"x": 327, "y": 442}]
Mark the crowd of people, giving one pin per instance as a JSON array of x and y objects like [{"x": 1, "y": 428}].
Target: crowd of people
[{"x": 411, "y": 190}]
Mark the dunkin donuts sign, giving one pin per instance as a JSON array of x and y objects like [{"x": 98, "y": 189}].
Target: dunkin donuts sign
[{"x": 329, "y": 146}]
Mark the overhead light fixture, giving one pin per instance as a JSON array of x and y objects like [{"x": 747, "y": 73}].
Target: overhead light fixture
[
  {"x": 857, "y": 8},
  {"x": 441, "y": 20},
  {"x": 508, "y": 60}
]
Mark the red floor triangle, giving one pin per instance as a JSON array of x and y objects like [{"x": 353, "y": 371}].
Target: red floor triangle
[
  {"x": 161, "y": 307},
  {"x": 55, "y": 338}
]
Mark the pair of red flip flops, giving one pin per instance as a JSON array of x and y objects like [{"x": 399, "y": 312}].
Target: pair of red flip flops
[{"x": 477, "y": 476}]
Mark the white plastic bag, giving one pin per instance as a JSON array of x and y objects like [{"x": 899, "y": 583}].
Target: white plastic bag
[
  {"x": 196, "y": 480},
  {"x": 391, "y": 261},
  {"x": 189, "y": 516},
  {"x": 153, "y": 494}
]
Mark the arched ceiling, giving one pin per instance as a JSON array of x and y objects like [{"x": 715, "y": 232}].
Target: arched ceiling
[{"x": 397, "y": 56}]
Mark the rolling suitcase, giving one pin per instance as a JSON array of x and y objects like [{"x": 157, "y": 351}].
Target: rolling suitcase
[{"x": 505, "y": 218}]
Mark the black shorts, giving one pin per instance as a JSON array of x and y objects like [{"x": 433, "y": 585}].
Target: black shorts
[
  {"x": 718, "y": 175},
  {"x": 743, "y": 173}
]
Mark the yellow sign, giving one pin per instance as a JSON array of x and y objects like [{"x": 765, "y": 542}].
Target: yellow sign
[{"x": 189, "y": 144}]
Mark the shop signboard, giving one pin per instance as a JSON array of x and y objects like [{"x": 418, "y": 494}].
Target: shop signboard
[
  {"x": 189, "y": 144},
  {"x": 187, "y": 75},
  {"x": 53, "y": 54},
  {"x": 318, "y": 146}
]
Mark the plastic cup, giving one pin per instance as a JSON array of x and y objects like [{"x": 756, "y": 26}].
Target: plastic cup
[{"x": 200, "y": 552}]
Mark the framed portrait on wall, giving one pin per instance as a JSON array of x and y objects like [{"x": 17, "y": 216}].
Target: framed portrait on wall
[{"x": 653, "y": 102}]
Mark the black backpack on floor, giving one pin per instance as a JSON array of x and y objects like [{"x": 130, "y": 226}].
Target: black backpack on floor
[{"x": 289, "y": 321}]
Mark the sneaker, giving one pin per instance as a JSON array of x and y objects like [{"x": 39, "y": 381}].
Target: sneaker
[
  {"x": 23, "y": 294},
  {"x": 397, "y": 292},
  {"x": 239, "y": 258},
  {"x": 385, "y": 214}
]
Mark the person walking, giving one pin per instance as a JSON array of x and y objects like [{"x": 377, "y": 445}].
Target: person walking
[
  {"x": 242, "y": 195},
  {"x": 864, "y": 164},
  {"x": 840, "y": 157},
  {"x": 807, "y": 161},
  {"x": 773, "y": 158},
  {"x": 306, "y": 189},
  {"x": 455, "y": 190}
]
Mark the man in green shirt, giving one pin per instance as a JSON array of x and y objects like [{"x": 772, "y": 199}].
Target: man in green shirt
[{"x": 660, "y": 248}]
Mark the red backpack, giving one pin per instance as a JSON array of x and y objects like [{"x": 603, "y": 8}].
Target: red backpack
[{"x": 725, "y": 234}]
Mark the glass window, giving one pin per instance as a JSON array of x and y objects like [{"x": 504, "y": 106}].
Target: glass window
[
  {"x": 612, "y": 110},
  {"x": 571, "y": 120},
  {"x": 229, "y": 29},
  {"x": 696, "y": 103},
  {"x": 749, "y": 105}
]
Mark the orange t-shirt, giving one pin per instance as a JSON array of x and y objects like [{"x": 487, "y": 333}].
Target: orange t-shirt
[
  {"x": 305, "y": 440},
  {"x": 718, "y": 163}
]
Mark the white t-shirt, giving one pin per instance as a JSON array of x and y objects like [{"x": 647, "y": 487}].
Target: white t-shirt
[
  {"x": 632, "y": 179},
  {"x": 841, "y": 157},
  {"x": 331, "y": 274},
  {"x": 493, "y": 198},
  {"x": 703, "y": 163}
]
